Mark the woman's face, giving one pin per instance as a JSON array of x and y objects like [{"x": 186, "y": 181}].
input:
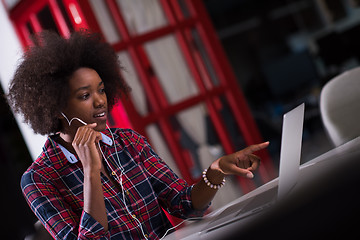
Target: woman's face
[{"x": 87, "y": 100}]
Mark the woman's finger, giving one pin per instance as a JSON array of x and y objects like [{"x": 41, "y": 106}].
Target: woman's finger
[
  {"x": 241, "y": 172},
  {"x": 256, "y": 147},
  {"x": 254, "y": 162}
]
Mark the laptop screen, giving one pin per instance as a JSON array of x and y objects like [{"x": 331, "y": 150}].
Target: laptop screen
[{"x": 290, "y": 152}]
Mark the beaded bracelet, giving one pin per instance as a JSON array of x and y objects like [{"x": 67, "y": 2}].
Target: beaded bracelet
[{"x": 209, "y": 184}]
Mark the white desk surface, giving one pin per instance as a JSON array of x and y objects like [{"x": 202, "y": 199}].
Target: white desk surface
[{"x": 309, "y": 171}]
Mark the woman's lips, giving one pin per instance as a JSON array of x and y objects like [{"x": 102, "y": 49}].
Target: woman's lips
[{"x": 100, "y": 116}]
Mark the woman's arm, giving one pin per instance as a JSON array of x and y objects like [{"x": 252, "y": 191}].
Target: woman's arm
[
  {"x": 45, "y": 198},
  {"x": 84, "y": 144},
  {"x": 56, "y": 214},
  {"x": 241, "y": 163}
]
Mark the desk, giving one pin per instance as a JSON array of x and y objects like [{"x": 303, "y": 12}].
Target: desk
[{"x": 325, "y": 200}]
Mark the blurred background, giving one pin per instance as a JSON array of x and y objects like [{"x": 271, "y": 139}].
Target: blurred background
[{"x": 208, "y": 77}]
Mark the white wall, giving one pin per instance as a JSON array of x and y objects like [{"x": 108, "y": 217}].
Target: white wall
[{"x": 10, "y": 53}]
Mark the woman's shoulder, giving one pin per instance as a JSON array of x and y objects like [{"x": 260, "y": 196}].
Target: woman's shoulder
[
  {"x": 127, "y": 137},
  {"x": 47, "y": 163},
  {"x": 127, "y": 134},
  {"x": 37, "y": 171},
  {"x": 124, "y": 131}
]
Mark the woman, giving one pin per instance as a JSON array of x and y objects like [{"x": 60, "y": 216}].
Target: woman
[{"x": 92, "y": 182}]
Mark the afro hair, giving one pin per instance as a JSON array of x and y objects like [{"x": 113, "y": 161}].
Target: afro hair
[{"x": 39, "y": 89}]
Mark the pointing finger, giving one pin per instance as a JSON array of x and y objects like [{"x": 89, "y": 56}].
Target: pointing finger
[{"x": 256, "y": 147}]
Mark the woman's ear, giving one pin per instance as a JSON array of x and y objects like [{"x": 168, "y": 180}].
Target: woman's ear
[
  {"x": 63, "y": 116},
  {"x": 60, "y": 115},
  {"x": 63, "y": 121}
]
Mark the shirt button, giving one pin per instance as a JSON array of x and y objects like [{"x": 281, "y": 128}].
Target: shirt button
[
  {"x": 127, "y": 192},
  {"x": 146, "y": 236},
  {"x": 134, "y": 216},
  {"x": 113, "y": 173}
]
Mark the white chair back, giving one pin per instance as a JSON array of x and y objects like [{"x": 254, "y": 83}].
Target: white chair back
[{"x": 340, "y": 106}]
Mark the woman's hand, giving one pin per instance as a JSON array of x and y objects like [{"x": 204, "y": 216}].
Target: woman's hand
[
  {"x": 240, "y": 163},
  {"x": 85, "y": 145}
]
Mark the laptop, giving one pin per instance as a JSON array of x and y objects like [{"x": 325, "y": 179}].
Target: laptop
[{"x": 290, "y": 153}]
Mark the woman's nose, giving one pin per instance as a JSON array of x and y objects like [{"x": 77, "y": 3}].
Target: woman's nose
[{"x": 99, "y": 101}]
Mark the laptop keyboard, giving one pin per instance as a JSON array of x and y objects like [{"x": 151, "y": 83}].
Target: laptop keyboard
[{"x": 243, "y": 209}]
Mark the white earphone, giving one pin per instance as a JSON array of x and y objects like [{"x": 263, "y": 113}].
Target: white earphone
[{"x": 75, "y": 118}]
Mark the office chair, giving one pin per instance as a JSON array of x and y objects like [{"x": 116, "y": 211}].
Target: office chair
[{"x": 340, "y": 106}]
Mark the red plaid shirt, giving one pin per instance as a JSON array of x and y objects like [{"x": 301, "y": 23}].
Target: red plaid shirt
[{"x": 53, "y": 187}]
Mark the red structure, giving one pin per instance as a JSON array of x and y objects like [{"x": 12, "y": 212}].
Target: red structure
[{"x": 188, "y": 23}]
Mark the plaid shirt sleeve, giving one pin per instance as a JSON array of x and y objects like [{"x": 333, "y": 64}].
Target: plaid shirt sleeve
[
  {"x": 174, "y": 194},
  {"x": 47, "y": 203}
]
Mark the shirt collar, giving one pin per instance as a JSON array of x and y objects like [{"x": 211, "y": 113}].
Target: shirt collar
[{"x": 71, "y": 157}]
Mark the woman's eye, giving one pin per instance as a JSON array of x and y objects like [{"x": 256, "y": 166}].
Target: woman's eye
[
  {"x": 102, "y": 90},
  {"x": 84, "y": 96}
]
